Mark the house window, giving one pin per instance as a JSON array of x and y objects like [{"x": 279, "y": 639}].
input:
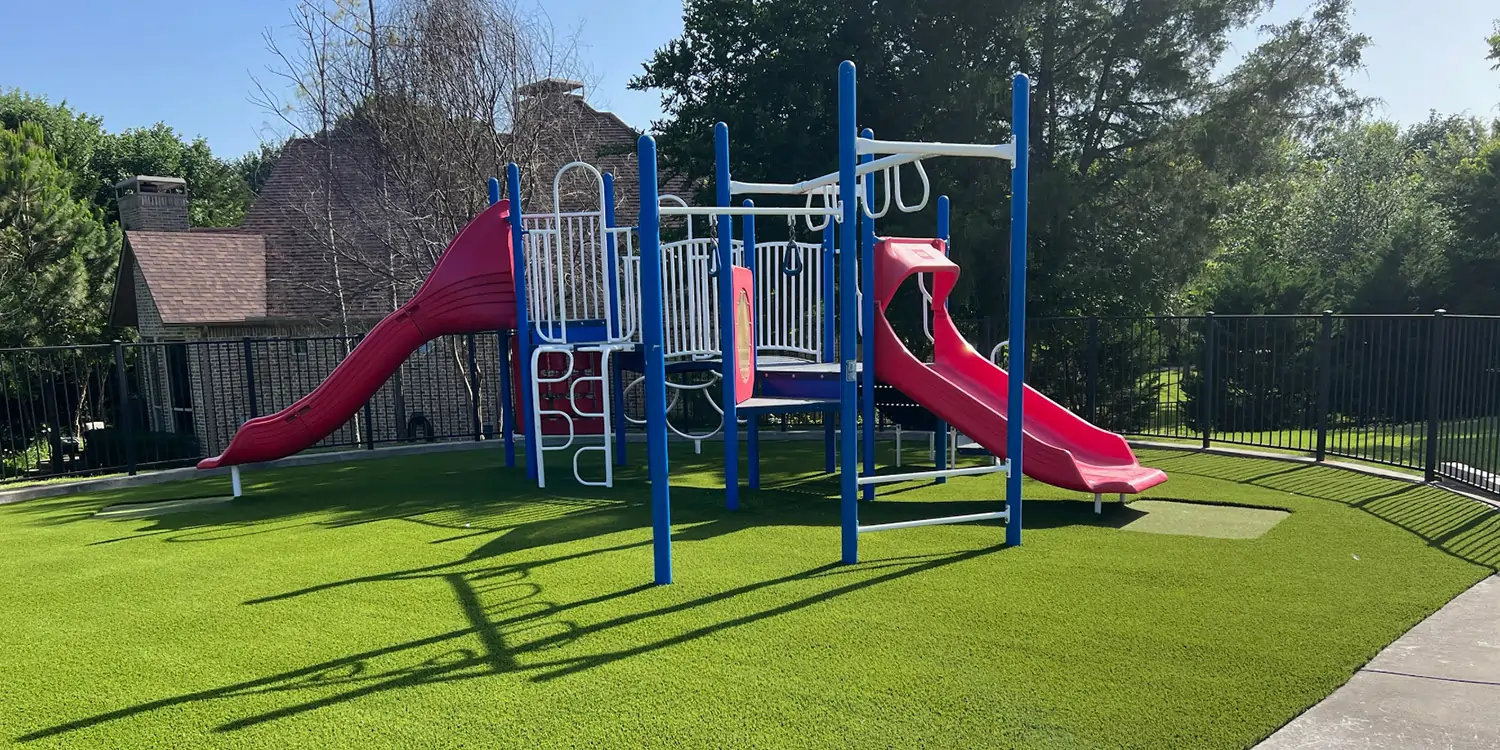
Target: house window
[
  {"x": 424, "y": 348},
  {"x": 299, "y": 347}
]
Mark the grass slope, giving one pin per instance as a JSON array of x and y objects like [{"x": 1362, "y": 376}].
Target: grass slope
[{"x": 442, "y": 601}]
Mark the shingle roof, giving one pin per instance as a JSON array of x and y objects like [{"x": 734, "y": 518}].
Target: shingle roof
[
  {"x": 277, "y": 265},
  {"x": 203, "y": 277}
]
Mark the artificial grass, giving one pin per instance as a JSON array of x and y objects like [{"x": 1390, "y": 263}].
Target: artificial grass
[{"x": 443, "y": 601}]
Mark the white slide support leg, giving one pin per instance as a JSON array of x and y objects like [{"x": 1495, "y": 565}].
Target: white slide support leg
[
  {"x": 1099, "y": 503},
  {"x": 234, "y": 481}
]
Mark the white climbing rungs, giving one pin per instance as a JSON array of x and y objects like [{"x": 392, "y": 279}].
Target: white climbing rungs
[
  {"x": 934, "y": 474},
  {"x": 1003, "y": 515},
  {"x": 605, "y": 412}
]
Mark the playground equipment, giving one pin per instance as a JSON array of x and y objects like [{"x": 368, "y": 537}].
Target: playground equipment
[{"x": 761, "y": 323}]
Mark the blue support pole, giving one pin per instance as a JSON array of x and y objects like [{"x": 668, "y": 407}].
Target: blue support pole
[
  {"x": 506, "y": 406},
  {"x": 523, "y": 316},
  {"x": 652, "y": 334},
  {"x": 616, "y": 326},
  {"x": 1020, "y": 126},
  {"x": 726, "y": 320},
  {"x": 752, "y": 427},
  {"x": 830, "y": 338},
  {"x": 940, "y": 437},
  {"x": 848, "y": 332},
  {"x": 867, "y": 318}
]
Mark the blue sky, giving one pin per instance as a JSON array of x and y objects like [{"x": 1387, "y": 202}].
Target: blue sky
[{"x": 190, "y": 63}]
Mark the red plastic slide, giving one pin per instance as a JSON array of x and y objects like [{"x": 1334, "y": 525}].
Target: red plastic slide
[
  {"x": 969, "y": 392},
  {"x": 470, "y": 290}
]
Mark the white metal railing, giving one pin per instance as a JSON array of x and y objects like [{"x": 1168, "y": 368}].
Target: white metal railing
[
  {"x": 568, "y": 267},
  {"x": 788, "y": 297},
  {"x": 690, "y": 313}
]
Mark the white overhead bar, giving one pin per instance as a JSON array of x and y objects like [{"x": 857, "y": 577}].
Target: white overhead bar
[
  {"x": 748, "y": 211},
  {"x": 1005, "y": 151}
]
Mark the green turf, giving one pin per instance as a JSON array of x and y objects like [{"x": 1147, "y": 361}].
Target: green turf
[{"x": 441, "y": 601}]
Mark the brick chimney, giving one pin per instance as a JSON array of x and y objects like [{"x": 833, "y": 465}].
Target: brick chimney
[{"x": 158, "y": 204}]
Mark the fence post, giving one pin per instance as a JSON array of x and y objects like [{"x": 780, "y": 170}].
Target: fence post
[
  {"x": 1325, "y": 379},
  {"x": 1435, "y": 373},
  {"x": 250, "y": 379},
  {"x": 1207, "y": 416},
  {"x": 474, "y": 390},
  {"x": 369, "y": 427},
  {"x": 127, "y": 429},
  {"x": 1092, "y": 397}
]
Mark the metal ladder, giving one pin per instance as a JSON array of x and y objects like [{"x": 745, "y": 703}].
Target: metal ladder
[{"x": 606, "y": 351}]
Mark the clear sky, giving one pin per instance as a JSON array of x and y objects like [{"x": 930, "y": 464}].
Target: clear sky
[{"x": 190, "y": 63}]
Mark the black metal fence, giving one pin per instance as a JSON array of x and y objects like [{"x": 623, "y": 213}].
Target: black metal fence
[
  {"x": 1420, "y": 392},
  {"x": 69, "y": 411}
]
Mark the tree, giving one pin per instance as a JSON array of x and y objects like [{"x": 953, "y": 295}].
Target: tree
[
  {"x": 1134, "y": 136},
  {"x": 56, "y": 256}
]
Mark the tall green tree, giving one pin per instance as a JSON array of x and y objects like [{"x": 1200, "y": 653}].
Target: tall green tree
[
  {"x": 56, "y": 256},
  {"x": 1136, "y": 134}
]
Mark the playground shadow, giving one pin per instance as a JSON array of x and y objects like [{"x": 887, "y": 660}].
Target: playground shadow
[
  {"x": 504, "y": 637},
  {"x": 1458, "y": 526}
]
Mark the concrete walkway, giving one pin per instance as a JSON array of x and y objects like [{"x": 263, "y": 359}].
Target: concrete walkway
[{"x": 1438, "y": 686}]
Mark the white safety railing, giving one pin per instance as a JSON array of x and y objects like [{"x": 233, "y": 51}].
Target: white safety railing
[
  {"x": 568, "y": 267},
  {"x": 788, "y": 297},
  {"x": 690, "y": 311}
]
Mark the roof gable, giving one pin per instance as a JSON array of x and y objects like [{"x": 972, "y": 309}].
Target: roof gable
[{"x": 201, "y": 277}]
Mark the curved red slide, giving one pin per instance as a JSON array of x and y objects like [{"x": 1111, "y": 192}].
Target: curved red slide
[
  {"x": 469, "y": 291},
  {"x": 969, "y": 392}
]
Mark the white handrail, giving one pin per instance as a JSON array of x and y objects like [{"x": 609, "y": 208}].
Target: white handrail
[
  {"x": 746, "y": 211},
  {"x": 671, "y": 197},
  {"x": 995, "y": 353},
  {"x": 926, "y": 190},
  {"x": 864, "y": 201},
  {"x": 1005, "y": 151}
]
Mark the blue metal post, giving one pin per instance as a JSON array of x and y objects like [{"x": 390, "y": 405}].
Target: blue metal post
[
  {"x": 726, "y": 320},
  {"x": 940, "y": 436},
  {"x": 867, "y": 318},
  {"x": 506, "y": 406},
  {"x": 752, "y": 426},
  {"x": 523, "y": 316},
  {"x": 848, "y": 331},
  {"x": 652, "y": 334},
  {"x": 616, "y": 326},
  {"x": 830, "y": 338},
  {"x": 1020, "y": 126}
]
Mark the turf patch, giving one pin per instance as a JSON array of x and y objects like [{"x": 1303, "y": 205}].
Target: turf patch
[{"x": 1200, "y": 519}]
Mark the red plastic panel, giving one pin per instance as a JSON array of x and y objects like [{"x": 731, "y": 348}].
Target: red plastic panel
[{"x": 742, "y": 281}]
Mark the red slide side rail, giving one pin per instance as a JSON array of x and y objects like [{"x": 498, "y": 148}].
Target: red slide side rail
[
  {"x": 968, "y": 391},
  {"x": 471, "y": 290}
]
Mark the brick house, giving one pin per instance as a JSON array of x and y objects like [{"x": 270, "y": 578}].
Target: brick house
[{"x": 240, "y": 322}]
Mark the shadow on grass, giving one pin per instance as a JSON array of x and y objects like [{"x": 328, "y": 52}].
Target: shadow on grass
[
  {"x": 1463, "y": 528},
  {"x": 499, "y": 636}
]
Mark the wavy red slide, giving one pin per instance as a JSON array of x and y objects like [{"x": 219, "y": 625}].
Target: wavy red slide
[
  {"x": 968, "y": 391},
  {"x": 471, "y": 290}
]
